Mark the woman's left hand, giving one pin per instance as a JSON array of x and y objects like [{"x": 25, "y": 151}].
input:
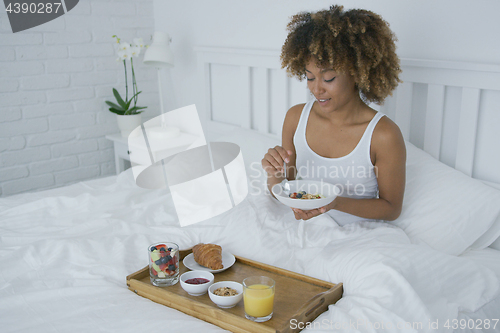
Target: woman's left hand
[{"x": 308, "y": 214}]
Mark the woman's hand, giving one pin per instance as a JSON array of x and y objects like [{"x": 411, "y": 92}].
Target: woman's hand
[
  {"x": 308, "y": 214},
  {"x": 273, "y": 161}
]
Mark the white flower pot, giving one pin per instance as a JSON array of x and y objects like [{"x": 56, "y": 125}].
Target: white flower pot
[{"x": 128, "y": 123}]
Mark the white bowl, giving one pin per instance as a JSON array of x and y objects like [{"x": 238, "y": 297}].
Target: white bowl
[
  {"x": 329, "y": 191},
  {"x": 226, "y": 302},
  {"x": 196, "y": 289}
]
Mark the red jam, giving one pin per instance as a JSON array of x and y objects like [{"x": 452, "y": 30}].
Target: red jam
[{"x": 196, "y": 281}]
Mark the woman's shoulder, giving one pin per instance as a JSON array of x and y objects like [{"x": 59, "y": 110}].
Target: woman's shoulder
[
  {"x": 296, "y": 110},
  {"x": 386, "y": 129},
  {"x": 291, "y": 121},
  {"x": 387, "y": 135},
  {"x": 293, "y": 116}
]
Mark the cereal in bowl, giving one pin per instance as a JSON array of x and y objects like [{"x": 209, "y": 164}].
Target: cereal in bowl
[
  {"x": 305, "y": 196},
  {"x": 225, "y": 291}
]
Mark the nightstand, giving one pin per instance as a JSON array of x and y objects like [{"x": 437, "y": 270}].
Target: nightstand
[{"x": 167, "y": 148}]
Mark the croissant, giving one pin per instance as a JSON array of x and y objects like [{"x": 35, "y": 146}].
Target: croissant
[{"x": 208, "y": 255}]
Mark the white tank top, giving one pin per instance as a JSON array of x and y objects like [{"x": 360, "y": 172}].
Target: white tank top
[{"x": 353, "y": 173}]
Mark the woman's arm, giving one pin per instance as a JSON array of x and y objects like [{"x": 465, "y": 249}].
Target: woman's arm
[{"x": 389, "y": 152}]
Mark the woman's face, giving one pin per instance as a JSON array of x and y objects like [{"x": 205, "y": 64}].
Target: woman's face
[{"x": 333, "y": 90}]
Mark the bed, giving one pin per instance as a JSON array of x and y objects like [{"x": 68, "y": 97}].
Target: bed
[{"x": 65, "y": 252}]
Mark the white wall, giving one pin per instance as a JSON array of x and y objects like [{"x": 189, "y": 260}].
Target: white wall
[
  {"x": 426, "y": 29},
  {"x": 54, "y": 79}
]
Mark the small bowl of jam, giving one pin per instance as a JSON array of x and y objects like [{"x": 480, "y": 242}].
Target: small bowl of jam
[{"x": 196, "y": 283}]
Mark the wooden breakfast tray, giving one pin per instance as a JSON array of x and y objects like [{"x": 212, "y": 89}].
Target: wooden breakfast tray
[{"x": 297, "y": 297}]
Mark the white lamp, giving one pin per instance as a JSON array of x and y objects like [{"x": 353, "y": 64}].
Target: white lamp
[{"x": 159, "y": 55}]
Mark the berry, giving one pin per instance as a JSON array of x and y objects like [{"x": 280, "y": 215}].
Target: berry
[
  {"x": 299, "y": 195},
  {"x": 153, "y": 248},
  {"x": 163, "y": 260},
  {"x": 171, "y": 267},
  {"x": 303, "y": 192},
  {"x": 170, "y": 249}
]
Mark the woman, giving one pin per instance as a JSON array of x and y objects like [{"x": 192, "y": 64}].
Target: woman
[{"x": 349, "y": 60}]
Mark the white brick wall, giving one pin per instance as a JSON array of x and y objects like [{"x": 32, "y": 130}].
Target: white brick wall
[{"x": 54, "y": 80}]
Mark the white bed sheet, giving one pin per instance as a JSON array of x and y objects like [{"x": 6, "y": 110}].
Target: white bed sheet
[
  {"x": 65, "y": 253},
  {"x": 490, "y": 311}
]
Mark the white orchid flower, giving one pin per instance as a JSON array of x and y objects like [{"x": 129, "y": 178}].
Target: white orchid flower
[
  {"x": 138, "y": 42},
  {"x": 124, "y": 54},
  {"x": 134, "y": 51},
  {"x": 123, "y": 46}
]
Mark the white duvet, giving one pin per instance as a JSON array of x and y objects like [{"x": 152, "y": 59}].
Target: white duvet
[{"x": 65, "y": 254}]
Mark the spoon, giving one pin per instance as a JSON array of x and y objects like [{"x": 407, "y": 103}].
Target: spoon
[{"x": 284, "y": 183}]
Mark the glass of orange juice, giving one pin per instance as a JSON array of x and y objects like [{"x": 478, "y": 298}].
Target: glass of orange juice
[{"x": 258, "y": 298}]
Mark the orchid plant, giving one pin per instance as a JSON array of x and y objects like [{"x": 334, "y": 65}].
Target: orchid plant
[{"x": 125, "y": 52}]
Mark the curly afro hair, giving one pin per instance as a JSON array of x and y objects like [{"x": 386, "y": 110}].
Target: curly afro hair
[{"x": 358, "y": 42}]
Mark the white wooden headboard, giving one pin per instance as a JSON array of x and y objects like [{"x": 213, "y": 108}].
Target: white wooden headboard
[{"x": 449, "y": 109}]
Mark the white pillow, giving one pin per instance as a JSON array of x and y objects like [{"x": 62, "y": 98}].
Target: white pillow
[
  {"x": 496, "y": 244},
  {"x": 446, "y": 209},
  {"x": 493, "y": 233}
]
